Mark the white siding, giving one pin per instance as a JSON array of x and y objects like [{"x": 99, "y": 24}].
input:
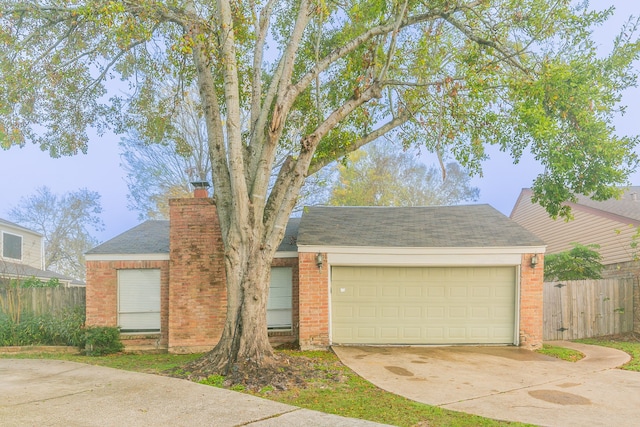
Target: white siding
[{"x": 31, "y": 247}]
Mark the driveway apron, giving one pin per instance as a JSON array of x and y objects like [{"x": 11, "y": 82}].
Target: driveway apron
[
  {"x": 507, "y": 383},
  {"x": 60, "y": 393}
]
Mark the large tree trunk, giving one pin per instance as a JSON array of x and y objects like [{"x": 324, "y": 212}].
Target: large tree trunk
[{"x": 245, "y": 339}]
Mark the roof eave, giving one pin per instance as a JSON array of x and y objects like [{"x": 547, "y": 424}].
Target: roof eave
[
  {"x": 127, "y": 257},
  {"x": 525, "y": 249}
]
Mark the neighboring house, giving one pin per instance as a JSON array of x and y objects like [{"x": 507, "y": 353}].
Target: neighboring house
[
  {"x": 22, "y": 255},
  {"x": 610, "y": 224},
  {"x": 342, "y": 275}
]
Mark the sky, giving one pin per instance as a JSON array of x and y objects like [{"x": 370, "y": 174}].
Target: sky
[{"x": 23, "y": 170}]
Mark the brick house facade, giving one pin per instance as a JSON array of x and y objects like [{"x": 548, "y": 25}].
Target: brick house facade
[{"x": 192, "y": 289}]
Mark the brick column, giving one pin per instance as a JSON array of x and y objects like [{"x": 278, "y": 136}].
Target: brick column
[
  {"x": 313, "y": 302},
  {"x": 531, "y": 308},
  {"x": 197, "y": 283}
]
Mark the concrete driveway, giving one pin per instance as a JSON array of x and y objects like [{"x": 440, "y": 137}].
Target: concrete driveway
[
  {"x": 60, "y": 393},
  {"x": 507, "y": 383}
]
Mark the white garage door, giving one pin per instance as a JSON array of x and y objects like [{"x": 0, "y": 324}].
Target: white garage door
[
  {"x": 139, "y": 300},
  {"x": 448, "y": 305}
]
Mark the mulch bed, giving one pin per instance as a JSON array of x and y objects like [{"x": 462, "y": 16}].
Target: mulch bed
[{"x": 285, "y": 371}]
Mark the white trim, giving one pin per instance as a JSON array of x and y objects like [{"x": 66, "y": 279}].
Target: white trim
[
  {"x": 21, "y": 229},
  {"x": 126, "y": 257},
  {"x": 516, "y": 331},
  {"x": 423, "y": 251},
  {"x": 286, "y": 254},
  {"x": 424, "y": 260}
]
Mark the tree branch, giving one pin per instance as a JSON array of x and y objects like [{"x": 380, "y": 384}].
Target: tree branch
[{"x": 397, "y": 121}]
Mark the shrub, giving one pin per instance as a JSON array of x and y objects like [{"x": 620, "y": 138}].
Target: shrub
[
  {"x": 65, "y": 328},
  {"x": 101, "y": 340}
]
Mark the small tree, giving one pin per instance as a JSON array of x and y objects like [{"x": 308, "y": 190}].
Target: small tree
[
  {"x": 66, "y": 222},
  {"x": 581, "y": 262}
]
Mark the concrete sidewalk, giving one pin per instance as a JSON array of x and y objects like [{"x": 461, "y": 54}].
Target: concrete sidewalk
[
  {"x": 507, "y": 383},
  {"x": 61, "y": 393}
]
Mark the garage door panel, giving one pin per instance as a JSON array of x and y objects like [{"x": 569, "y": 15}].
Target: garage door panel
[
  {"x": 442, "y": 305},
  {"x": 436, "y": 291},
  {"x": 481, "y": 292},
  {"x": 367, "y": 291},
  {"x": 435, "y": 312},
  {"x": 366, "y": 313},
  {"x": 458, "y": 292},
  {"x": 480, "y": 313},
  {"x": 412, "y": 313},
  {"x": 412, "y": 291}
]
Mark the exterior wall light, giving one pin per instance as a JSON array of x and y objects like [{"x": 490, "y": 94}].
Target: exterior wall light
[
  {"x": 534, "y": 260},
  {"x": 319, "y": 260}
]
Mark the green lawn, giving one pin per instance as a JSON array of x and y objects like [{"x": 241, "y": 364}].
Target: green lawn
[
  {"x": 561, "y": 353},
  {"x": 340, "y": 391}
]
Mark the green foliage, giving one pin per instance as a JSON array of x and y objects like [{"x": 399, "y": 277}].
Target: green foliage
[
  {"x": 61, "y": 329},
  {"x": 581, "y": 262},
  {"x": 456, "y": 78},
  {"x": 101, "y": 340},
  {"x": 34, "y": 282},
  {"x": 213, "y": 380}
]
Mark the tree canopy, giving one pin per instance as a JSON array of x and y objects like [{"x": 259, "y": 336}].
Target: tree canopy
[
  {"x": 66, "y": 222},
  {"x": 579, "y": 263},
  {"x": 382, "y": 175},
  {"x": 319, "y": 80}
]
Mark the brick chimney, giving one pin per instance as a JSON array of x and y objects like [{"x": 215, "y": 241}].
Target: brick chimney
[
  {"x": 200, "y": 189},
  {"x": 197, "y": 280}
]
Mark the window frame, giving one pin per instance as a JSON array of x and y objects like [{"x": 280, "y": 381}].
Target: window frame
[
  {"x": 155, "y": 299},
  {"x": 6, "y": 233}
]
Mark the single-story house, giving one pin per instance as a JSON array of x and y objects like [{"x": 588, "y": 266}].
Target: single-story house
[
  {"x": 342, "y": 275},
  {"x": 611, "y": 224}
]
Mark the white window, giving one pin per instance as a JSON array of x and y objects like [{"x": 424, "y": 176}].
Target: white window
[
  {"x": 280, "y": 299},
  {"x": 139, "y": 300},
  {"x": 12, "y": 246}
]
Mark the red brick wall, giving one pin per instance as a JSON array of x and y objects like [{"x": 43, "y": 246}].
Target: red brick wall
[
  {"x": 102, "y": 292},
  {"x": 313, "y": 302},
  {"x": 197, "y": 287},
  {"x": 531, "y": 309}
]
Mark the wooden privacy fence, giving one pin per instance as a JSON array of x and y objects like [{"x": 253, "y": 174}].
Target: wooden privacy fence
[
  {"x": 587, "y": 308},
  {"x": 40, "y": 300}
]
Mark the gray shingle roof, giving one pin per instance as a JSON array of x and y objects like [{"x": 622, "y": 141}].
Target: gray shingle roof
[
  {"x": 13, "y": 269},
  {"x": 289, "y": 242},
  {"x": 628, "y": 206},
  {"x": 150, "y": 237},
  {"x": 412, "y": 227}
]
